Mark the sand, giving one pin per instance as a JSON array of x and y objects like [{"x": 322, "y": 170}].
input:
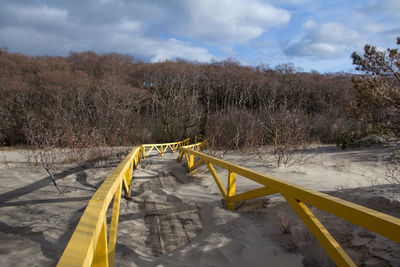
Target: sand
[{"x": 177, "y": 219}]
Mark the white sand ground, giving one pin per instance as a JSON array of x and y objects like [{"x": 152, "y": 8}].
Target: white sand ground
[
  {"x": 325, "y": 168},
  {"x": 176, "y": 219}
]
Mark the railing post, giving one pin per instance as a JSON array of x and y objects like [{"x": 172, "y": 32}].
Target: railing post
[
  {"x": 141, "y": 154},
  {"x": 128, "y": 178},
  {"x": 190, "y": 161},
  {"x": 231, "y": 190},
  {"x": 180, "y": 155},
  {"x": 100, "y": 257},
  {"x": 144, "y": 152},
  {"x": 114, "y": 226}
]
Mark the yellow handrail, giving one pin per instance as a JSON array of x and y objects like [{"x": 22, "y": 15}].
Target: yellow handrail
[
  {"x": 297, "y": 196},
  {"x": 162, "y": 148},
  {"x": 88, "y": 244},
  {"x": 190, "y": 158}
]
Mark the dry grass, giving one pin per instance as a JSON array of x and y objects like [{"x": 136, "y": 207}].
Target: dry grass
[{"x": 284, "y": 224}]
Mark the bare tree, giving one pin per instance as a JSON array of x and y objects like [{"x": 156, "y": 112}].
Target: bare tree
[{"x": 119, "y": 101}]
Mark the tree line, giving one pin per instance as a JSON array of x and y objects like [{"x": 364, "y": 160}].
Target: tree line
[{"x": 90, "y": 99}]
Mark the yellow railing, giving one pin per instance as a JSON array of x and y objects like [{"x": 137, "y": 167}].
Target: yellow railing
[
  {"x": 297, "y": 197},
  {"x": 162, "y": 148},
  {"x": 88, "y": 244},
  {"x": 190, "y": 158}
]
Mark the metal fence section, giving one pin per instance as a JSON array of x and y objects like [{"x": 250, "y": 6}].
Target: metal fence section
[
  {"x": 298, "y": 198},
  {"x": 162, "y": 148},
  {"x": 90, "y": 245}
]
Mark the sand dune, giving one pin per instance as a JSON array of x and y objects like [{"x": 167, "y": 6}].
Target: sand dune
[{"x": 176, "y": 219}]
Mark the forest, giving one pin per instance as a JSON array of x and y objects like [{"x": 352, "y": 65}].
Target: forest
[{"x": 90, "y": 99}]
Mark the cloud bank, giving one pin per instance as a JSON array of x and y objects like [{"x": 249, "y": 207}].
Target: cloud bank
[
  {"x": 312, "y": 34},
  {"x": 153, "y": 30}
]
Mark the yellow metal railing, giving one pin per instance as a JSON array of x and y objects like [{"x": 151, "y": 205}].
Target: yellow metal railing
[
  {"x": 162, "y": 148},
  {"x": 297, "y": 197},
  {"x": 89, "y": 244},
  {"x": 190, "y": 158}
]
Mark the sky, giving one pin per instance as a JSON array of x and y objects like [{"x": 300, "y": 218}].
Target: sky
[{"x": 313, "y": 35}]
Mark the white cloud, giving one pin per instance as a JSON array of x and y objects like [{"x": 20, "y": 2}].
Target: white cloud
[
  {"x": 230, "y": 20},
  {"x": 325, "y": 48},
  {"x": 156, "y": 50},
  {"x": 375, "y": 27},
  {"x": 106, "y": 1},
  {"x": 310, "y": 24},
  {"x": 127, "y": 25},
  {"x": 333, "y": 33},
  {"x": 155, "y": 30},
  {"x": 35, "y": 42},
  {"x": 42, "y": 14},
  {"x": 292, "y": 2},
  {"x": 228, "y": 50},
  {"x": 173, "y": 48},
  {"x": 387, "y": 8},
  {"x": 30, "y": 33},
  {"x": 323, "y": 41}
]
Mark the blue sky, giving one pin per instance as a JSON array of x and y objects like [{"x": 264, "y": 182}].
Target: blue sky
[{"x": 311, "y": 34}]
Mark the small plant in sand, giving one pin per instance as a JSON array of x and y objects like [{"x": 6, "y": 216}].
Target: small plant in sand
[
  {"x": 295, "y": 235},
  {"x": 31, "y": 156},
  {"x": 42, "y": 143},
  {"x": 5, "y": 161},
  {"x": 85, "y": 144},
  {"x": 284, "y": 224},
  {"x": 393, "y": 173}
]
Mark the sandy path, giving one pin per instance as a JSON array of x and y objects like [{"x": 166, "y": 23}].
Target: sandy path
[{"x": 184, "y": 225}]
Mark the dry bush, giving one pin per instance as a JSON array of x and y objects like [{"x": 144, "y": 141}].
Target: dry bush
[
  {"x": 289, "y": 134},
  {"x": 234, "y": 129},
  {"x": 5, "y": 161},
  {"x": 83, "y": 144},
  {"x": 393, "y": 173},
  {"x": 42, "y": 143}
]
